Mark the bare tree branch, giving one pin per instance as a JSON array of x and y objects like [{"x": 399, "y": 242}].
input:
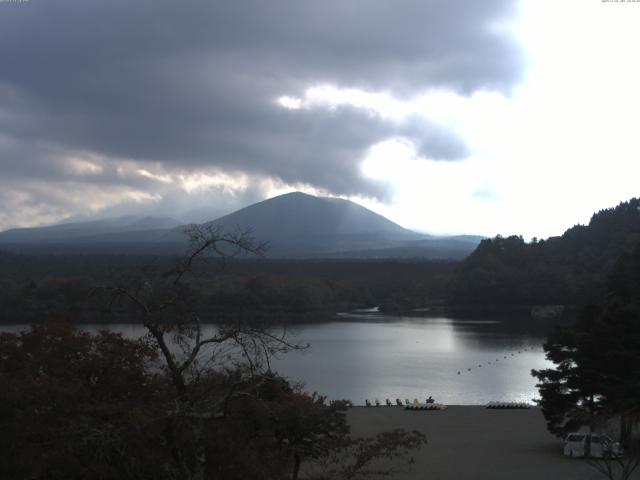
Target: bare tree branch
[{"x": 164, "y": 296}]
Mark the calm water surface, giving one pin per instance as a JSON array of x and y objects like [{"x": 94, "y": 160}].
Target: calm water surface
[
  {"x": 410, "y": 357},
  {"x": 378, "y": 356}
]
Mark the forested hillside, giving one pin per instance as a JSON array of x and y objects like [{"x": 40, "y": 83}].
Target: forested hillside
[
  {"x": 568, "y": 270},
  {"x": 38, "y": 288}
]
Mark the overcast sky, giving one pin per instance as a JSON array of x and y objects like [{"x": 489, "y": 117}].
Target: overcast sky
[{"x": 471, "y": 116}]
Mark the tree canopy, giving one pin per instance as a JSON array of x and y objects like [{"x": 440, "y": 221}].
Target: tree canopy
[
  {"x": 570, "y": 269},
  {"x": 597, "y": 361}
]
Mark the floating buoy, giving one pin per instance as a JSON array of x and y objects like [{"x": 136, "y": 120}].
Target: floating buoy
[
  {"x": 458, "y": 372},
  {"x": 468, "y": 369}
]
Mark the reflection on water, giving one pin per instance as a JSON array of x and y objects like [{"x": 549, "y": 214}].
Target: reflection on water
[
  {"x": 408, "y": 357},
  {"x": 378, "y": 356}
]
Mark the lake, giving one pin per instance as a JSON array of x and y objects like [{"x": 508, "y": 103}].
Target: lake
[
  {"x": 364, "y": 357},
  {"x": 369, "y": 356}
]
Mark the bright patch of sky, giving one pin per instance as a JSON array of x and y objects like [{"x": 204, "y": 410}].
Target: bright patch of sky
[{"x": 562, "y": 145}]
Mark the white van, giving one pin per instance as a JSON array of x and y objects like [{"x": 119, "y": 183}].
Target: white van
[{"x": 592, "y": 445}]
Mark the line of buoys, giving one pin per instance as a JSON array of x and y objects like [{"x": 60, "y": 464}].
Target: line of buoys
[
  {"x": 459, "y": 372},
  {"x": 426, "y": 406},
  {"x": 508, "y": 405}
]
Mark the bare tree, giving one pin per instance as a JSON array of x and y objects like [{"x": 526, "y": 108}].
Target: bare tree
[
  {"x": 190, "y": 350},
  {"x": 616, "y": 467},
  {"x": 220, "y": 373}
]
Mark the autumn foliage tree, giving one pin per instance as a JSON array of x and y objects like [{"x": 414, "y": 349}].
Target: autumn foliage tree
[
  {"x": 75, "y": 405},
  {"x": 80, "y": 405}
]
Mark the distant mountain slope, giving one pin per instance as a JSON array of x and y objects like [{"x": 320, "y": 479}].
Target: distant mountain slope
[
  {"x": 570, "y": 269},
  {"x": 117, "y": 228},
  {"x": 295, "y": 225},
  {"x": 297, "y": 215},
  {"x": 301, "y": 225}
]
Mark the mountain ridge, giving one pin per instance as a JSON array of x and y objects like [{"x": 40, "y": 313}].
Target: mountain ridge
[
  {"x": 295, "y": 225},
  {"x": 68, "y": 231}
]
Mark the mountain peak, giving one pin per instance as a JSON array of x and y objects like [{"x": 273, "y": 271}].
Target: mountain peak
[
  {"x": 297, "y": 215},
  {"x": 293, "y": 195}
]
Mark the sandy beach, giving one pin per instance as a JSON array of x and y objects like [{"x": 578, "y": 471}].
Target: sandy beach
[{"x": 475, "y": 443}]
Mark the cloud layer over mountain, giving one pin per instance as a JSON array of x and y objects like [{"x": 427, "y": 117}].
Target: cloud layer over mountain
[{"x": 114, "y": 101}]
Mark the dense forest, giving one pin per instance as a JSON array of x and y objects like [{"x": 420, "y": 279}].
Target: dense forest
[
  {"x": 501, "y": 272},
  {"x": 567, "y": 270},
  {"x": 274, "y": 290}
]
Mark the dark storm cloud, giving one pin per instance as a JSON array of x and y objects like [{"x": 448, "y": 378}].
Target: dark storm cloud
[{"x": 191, "y": 84}]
